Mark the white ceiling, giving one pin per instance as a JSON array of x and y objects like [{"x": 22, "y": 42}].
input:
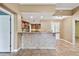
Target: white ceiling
[
  {"x": 41, "y": 16},
  {"x": 59, "y": 6},
  {"x": 66, "y": 6},
  {"x": 48, "y": 15}
]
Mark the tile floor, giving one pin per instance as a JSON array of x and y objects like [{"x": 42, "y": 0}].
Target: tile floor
[
  {"x": 37, "y": 52},
  {"x": 62, "y": 49},
  {"x": 7, "y": 54}
]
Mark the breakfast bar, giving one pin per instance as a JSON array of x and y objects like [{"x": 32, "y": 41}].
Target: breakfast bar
[{"x": 38, "y": 40}]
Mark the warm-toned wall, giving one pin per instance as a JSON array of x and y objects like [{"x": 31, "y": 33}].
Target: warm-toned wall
[
  {"x": 67, "y": 28},
  {"x": 67, "y": 25},
  {"x": 61, "y": 29},
  {"x": 46, "y": 26},
  {"x": 17, "y": 30}
]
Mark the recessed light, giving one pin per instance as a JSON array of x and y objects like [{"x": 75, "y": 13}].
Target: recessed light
[
  {"x": 42, "y": 16},
  {"x": 31, "y": 17}
]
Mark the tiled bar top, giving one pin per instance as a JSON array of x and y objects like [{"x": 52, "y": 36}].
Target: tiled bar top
[{"x": 37, "y": 32}]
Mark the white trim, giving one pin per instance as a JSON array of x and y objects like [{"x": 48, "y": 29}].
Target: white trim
[
  {"x": 64, "y": 8},
  {"x": 73, "y": 32},
  {"x": 16, "y": 50},
  {"x": 66, "y": 41},
  {"x": 12, "y": 27}
]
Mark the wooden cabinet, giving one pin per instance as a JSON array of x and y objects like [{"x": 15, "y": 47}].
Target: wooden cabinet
[
  {"x": 35, "y": 27},
  {"x": 25, "y": 25}
]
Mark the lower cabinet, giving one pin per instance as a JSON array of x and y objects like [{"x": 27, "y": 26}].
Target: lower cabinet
[
  {"x": 57, "y": 35},
  {"x": 38, "y": 41}
]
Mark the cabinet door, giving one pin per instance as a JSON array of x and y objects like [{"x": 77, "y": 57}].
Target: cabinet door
[
  {"x": 38, "y": 26},
  {"x": 47, "y": 41},
  {"x": 32, "y": 26},
  {"x": 57, "y": 36},
  {"x": 35, "y": 41},
  {"x": 26, "y": 41}
]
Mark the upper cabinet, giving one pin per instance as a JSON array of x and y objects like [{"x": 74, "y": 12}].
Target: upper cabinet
[
  {"x": 35, "y": 27},
  {"x": 25, "y": 26}
]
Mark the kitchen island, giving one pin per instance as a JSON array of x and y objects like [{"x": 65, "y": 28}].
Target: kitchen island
[{"x": 38, "y": 40}]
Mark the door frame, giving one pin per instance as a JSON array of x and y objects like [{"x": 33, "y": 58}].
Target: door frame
[{"x": 12, "y": 39}]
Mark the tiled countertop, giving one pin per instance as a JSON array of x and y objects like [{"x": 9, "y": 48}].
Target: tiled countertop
[{"x": 36, "y": 32}]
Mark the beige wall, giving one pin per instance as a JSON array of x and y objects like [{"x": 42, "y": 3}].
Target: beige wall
[
  {"x": 67, "y": 29},
  {"x": 46, "y": 26},
  {"x": 67, "y": 25},
  {"x": 61, "y": 29}
]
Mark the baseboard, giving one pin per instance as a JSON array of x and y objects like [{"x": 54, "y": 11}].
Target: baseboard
[
  {"x": 41, "y": 48},
  {"x": 66, "y": 41},
  {"x": 16, "y": 50}
]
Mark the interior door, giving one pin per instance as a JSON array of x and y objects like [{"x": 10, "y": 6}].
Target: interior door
[{"x": 4, "y": 33}]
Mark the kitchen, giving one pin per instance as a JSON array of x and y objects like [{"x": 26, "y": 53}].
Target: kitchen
[
  {"x": 37, "y": 28},
  {"x": 39, "y": 32}
]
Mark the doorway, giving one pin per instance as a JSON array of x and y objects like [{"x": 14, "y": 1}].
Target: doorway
[{"x": 77, "y": 33}]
